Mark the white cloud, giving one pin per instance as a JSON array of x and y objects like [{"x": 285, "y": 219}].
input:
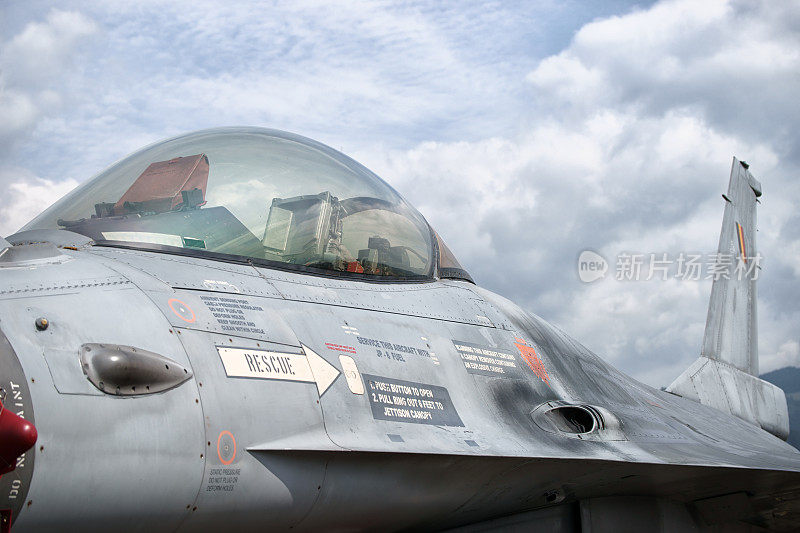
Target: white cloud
[
  {"x": 788, "y": 354},
  {"x": 620, "y": 141},
  {"x": 33, "y": 66},
  {"x": 733, "y": 63},
  {"x": 42, "y": 51},
  {"x": 630, "y": 152},
  {"x": 34, "y": 61},
  {"x": 26, "y": 198},
  {"x": 518, "y": 212},
  {"x": 18, "y": 110}
]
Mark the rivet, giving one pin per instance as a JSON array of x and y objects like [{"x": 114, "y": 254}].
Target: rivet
[{"x": 42, "y": 323}]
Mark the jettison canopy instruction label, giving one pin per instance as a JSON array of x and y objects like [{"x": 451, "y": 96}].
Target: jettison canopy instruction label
[{"x": 407, "y": 401}]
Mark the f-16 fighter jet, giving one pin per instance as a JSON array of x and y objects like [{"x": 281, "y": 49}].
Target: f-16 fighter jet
[{"x": 242, "y": 329}]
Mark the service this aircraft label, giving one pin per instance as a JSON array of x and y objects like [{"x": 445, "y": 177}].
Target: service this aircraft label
[
  {"x": 406, "y": 401},
  {"x": 395, "y": 351},
  {"x": 488, "y": 361}
]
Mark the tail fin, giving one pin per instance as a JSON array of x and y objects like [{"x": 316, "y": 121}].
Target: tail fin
[
  {"x": 731, "y": 327},
  {"x": 726, "y": 374}
]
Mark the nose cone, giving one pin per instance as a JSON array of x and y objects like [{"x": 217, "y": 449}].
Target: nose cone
[{"x": 17, "y": 436}]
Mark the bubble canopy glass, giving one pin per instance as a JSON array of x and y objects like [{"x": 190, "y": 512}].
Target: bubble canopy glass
[{"x": 251, "y": 194}]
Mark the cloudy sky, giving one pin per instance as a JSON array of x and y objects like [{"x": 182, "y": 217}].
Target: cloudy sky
[{"x": 526, "y": 132}]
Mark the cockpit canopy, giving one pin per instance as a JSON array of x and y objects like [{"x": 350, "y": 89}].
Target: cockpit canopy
[{"x": 252, "y": 194}]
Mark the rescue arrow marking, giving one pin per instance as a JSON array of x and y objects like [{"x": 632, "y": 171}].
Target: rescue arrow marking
[
  {"x": 324, "y": 372},
  {"x": 305, "y": 367}
]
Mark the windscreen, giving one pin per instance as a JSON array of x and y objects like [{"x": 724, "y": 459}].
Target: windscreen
[{"x": 254, "y": 194}]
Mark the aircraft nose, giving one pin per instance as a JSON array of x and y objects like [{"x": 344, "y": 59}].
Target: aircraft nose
[{"x": 17, "y": 436}]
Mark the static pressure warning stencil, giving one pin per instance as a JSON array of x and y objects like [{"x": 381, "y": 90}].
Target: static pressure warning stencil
[{"x": 226, "y": 447}]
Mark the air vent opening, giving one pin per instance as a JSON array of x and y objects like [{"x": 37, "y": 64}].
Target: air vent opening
[{"x": 572, "y": 419}]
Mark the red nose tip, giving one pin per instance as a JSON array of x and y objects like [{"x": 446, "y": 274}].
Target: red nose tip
[{"x": 17, "y": 436}]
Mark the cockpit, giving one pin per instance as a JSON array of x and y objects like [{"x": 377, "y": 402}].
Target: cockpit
[{"x": 256, "y": 195}]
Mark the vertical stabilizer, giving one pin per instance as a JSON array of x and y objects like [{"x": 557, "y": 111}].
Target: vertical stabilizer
[
  {"x": 725, "y": 376},
  {"x": 731, "y": 327}
]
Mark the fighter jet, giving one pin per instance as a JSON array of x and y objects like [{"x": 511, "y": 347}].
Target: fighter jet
[{"x": 242, "y": 329}]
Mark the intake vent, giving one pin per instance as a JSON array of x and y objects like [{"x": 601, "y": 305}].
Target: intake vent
[
  {"x": 581, "y": 421},
  {"x": 572, "y": 419}
]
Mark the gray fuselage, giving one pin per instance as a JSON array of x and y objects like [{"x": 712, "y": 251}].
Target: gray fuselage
[{"x": 317, "y": 403}]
